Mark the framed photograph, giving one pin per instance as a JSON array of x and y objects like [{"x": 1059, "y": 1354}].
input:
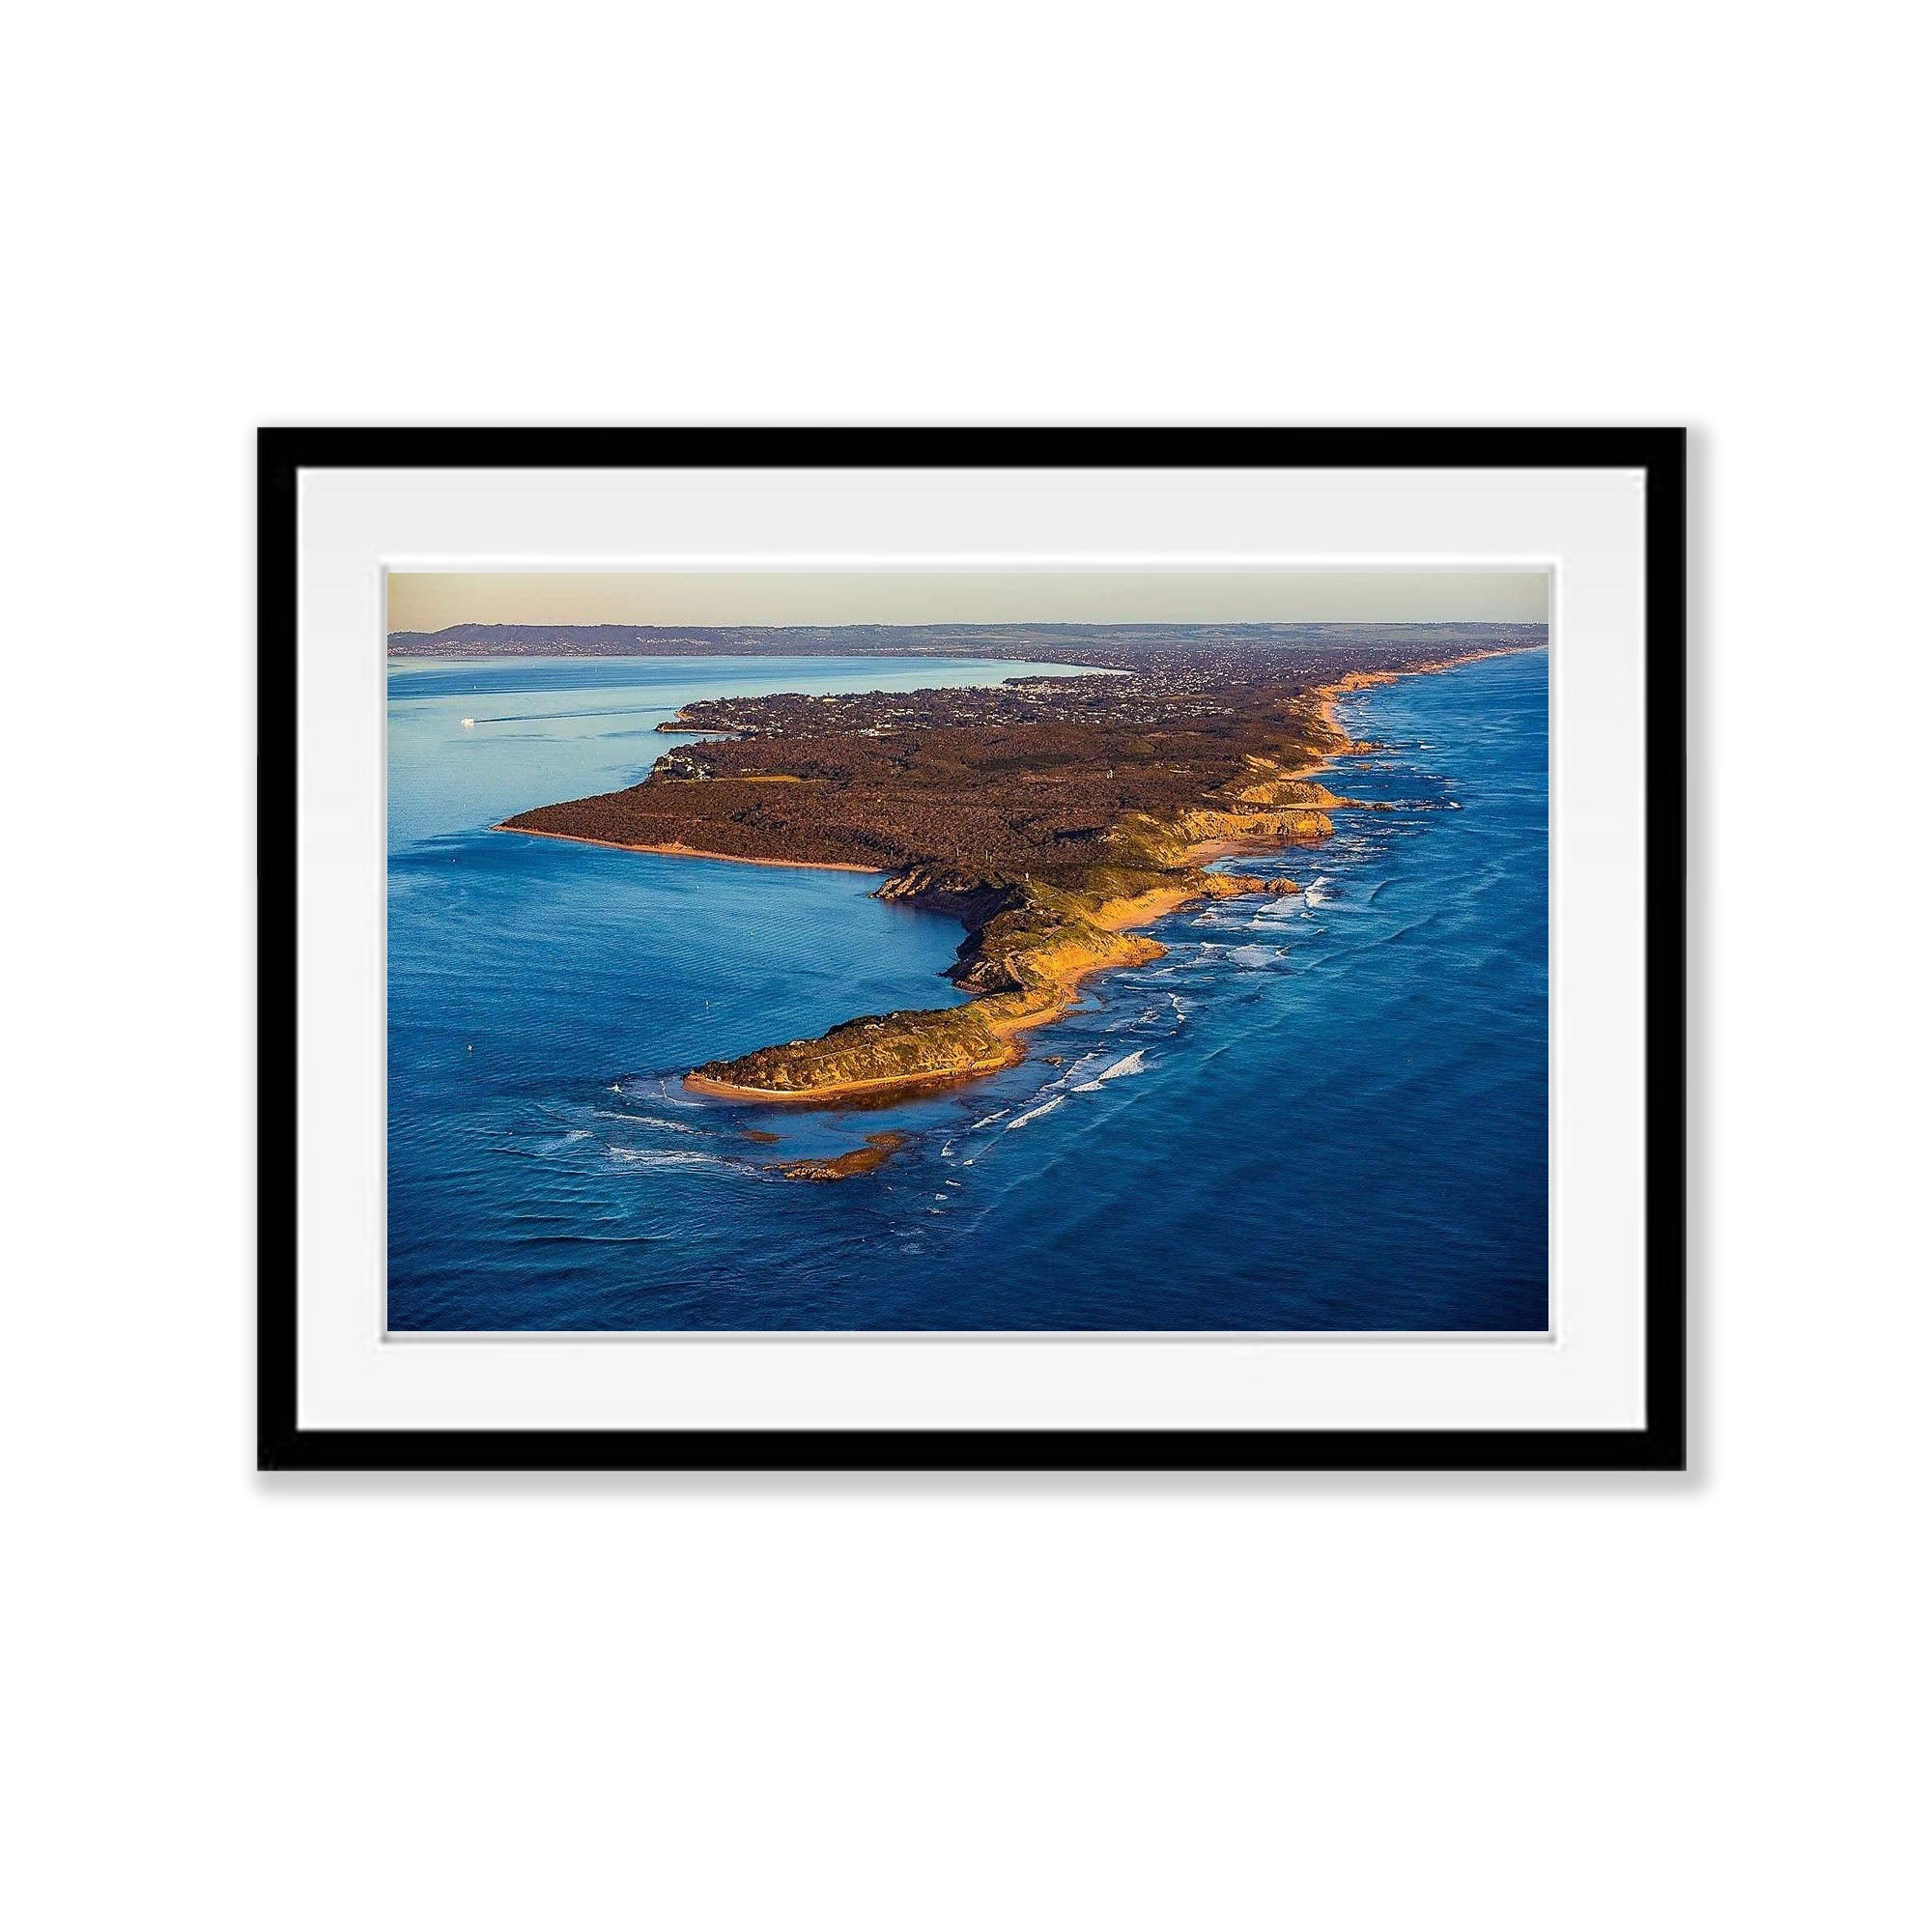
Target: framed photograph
[{"x": 1101, "y": 948}]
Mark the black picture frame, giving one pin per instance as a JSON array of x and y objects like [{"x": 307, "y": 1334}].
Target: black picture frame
[{"x": 1660, "y": 1444}]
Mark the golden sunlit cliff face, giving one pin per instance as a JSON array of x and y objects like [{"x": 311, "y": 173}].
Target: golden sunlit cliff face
[{"x": 1024, "y": 965}]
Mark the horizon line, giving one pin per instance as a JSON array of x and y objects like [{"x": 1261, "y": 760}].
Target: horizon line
[{"x": 1005, "y": 624}]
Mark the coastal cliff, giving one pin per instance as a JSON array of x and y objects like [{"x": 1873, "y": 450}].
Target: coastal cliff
[{"x": 1028, "y": 947}]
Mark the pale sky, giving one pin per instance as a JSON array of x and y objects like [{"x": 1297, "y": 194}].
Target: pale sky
[{"x": 431, "y": 601}]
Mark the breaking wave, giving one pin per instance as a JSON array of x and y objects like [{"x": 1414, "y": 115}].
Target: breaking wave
[{"x": 1122, "y": 1069}]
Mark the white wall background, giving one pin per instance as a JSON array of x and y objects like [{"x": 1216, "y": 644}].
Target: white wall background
[{"x": 1346, "y": 1702}]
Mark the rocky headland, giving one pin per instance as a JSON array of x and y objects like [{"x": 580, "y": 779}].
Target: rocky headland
[{"x": 1050, "y": 816}]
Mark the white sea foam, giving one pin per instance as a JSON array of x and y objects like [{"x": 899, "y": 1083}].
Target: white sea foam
[
  {"x": 1122, "y": 1069},
  {"x": 989, "y": 1120},
  {"x": 663, "y": 1158},
  {"x": 647, "y": 1121},
  {"x": 1033, "y": 1112},
  {"x": 645, "y": 1087}
]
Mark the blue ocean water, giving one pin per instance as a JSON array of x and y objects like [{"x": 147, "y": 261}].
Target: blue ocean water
[{"x": 1322, "y": 1112}]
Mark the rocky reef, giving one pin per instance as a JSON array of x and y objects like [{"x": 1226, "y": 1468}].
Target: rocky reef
[{"x": 867, "y": 1159}]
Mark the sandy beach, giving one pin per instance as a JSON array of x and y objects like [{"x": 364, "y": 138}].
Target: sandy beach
[{"x": 692, "y": 852}]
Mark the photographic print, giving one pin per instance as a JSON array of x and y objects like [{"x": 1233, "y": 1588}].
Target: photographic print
[{"x": 901, "y": 951}]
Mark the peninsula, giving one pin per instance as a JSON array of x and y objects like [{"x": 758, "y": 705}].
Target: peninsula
[{"x": 1051, "y": 815}]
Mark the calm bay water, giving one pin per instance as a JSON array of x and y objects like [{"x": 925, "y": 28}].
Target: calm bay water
[{"x": 1322, "y": 1112}]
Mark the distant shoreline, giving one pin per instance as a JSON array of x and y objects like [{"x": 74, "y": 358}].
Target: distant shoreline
[{"x": 1083, "y": 646}]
